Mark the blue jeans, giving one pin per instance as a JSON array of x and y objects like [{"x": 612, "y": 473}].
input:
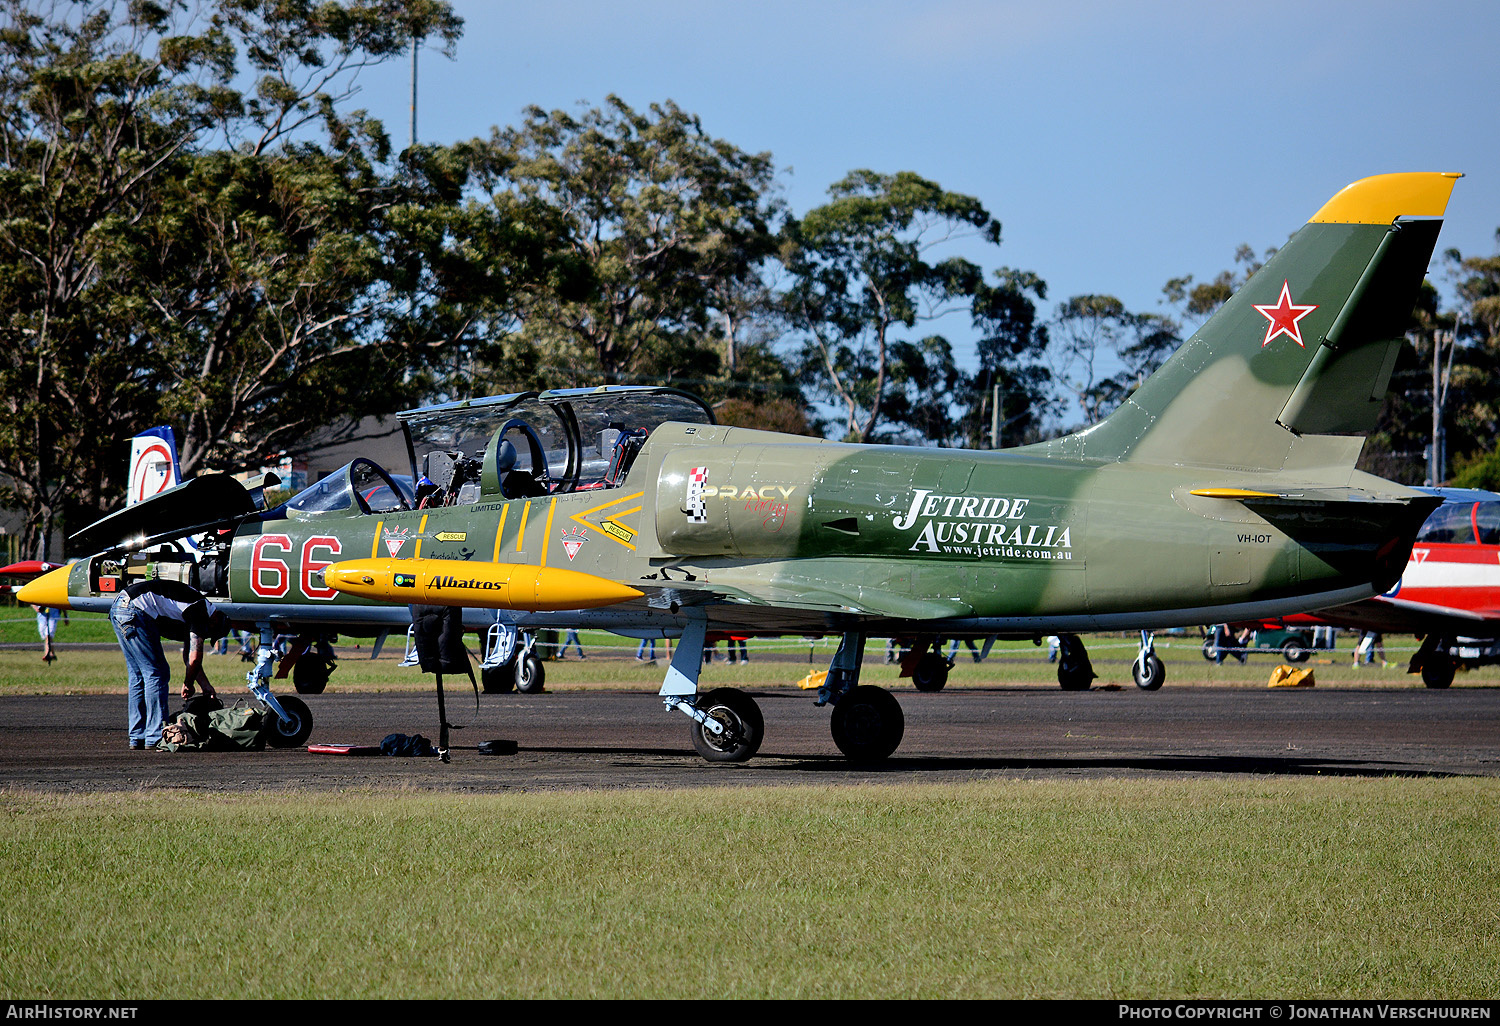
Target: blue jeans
[
  {"x": 641, "y": 649},
  {"x": 147, "y": 668}
]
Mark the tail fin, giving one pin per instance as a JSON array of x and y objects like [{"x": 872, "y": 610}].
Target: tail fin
[
  {"x": 1290, "y": 374},
  {"x": 153, "y": 464}
]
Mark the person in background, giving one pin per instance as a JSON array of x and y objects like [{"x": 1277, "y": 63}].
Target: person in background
[
  {"x": 647, "y": 645},
  {"x": 571, "y": 638},
  {"x": 737, "y": 648},
  {"x": 46, "y": 627}
]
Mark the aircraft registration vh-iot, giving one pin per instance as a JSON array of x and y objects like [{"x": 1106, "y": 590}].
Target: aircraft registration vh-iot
[{"x": 1223, "y": 489}]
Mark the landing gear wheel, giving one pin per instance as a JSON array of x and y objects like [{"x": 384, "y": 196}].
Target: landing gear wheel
[
  {"x": 1075, "y": 679},
  {"x": 310, "y": 673},
  {"x": 498, "y": 680},
  {"x": 288, "y": 735},
  {"x": 530, "y": 675},
  {"x": 1074, "y": 670},
  {"x": 744, "y": 729},
  {"x": 1150, "y": 675},
  {"x": 867, "y": 724},
  {"x": 1437, "y": 672},
  {"x": 1295, "y": 652},
  {"x": 930, "y": 673}
]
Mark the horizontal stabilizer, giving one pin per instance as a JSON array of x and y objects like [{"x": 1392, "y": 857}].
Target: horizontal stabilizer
[{"x": 1280, "y": 496}]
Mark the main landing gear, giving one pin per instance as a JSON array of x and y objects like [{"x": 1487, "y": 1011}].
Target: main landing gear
[
  {"x": 1075, "y": 672},
  {"x": 1433, "y": 662},
  {"x": 727, "y": 724},
  {"x": 867, "y": 723},
  {"x": 1148, "y": 670},
  {"x": 289, "y": 721}
]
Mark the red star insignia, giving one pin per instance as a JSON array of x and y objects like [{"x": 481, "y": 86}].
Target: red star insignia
[{"x": 1284, "y": 317}]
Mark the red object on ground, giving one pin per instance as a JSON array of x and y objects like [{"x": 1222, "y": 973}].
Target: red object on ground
[{"x": 336, "y": 749}]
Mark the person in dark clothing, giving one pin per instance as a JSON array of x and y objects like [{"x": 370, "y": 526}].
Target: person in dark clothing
[{"x": 142, "y": 615}]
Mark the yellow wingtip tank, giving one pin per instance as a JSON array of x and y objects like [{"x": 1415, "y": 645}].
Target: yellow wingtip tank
[
  {"x": 1380, "y": 199},
  {"x": 50, "y": 589},
  {"x": 456, "y": 582}
]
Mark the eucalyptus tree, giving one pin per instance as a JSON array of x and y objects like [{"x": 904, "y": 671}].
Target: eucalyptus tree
[
  {"x": 862, "y": 269},
  {"x": 672, "y": 226},
  {"x": 189, "y": 228}
]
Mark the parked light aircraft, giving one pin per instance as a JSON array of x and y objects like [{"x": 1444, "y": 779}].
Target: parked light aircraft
[
  {"x": 1449, "y": 592},
  {"x": 1223, "y": 489}
]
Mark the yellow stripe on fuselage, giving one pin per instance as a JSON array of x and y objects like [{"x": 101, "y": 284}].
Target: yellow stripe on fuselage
[
  {"x": 547, "y": 533},
  {"x": 500, "y": 532}
]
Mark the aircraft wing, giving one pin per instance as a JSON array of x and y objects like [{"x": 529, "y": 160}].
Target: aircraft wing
[
  {"x": 1402, "y": 616},
  {"x": 811, "y": 594}
]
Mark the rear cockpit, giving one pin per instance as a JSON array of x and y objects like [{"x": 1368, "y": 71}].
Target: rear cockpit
[{"x": 537, "y": 443}]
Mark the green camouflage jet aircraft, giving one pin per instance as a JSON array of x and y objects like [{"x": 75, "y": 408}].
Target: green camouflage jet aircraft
[{"x": 1223, "y": 489}]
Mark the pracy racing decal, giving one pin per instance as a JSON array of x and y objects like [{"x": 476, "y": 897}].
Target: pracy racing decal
[
  {"x": 973, "y": 525},
  {"x": 695, "y": 506},
  {"x": 611, "y": 525},
  {"x": 772, "y": 501}
]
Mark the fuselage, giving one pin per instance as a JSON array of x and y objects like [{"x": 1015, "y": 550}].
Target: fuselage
[{"x": 776, "y": 534}]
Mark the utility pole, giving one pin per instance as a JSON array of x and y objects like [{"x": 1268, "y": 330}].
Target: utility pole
[
  {"x": 1437, "y": 456},
  {"x": 415, "y": 44},
  {"x": 995, "y": 419}
]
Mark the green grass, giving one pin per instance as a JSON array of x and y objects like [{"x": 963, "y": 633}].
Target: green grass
[
  {"x": 1109, "y": 889},
  {"x": 775, "y": 661}
]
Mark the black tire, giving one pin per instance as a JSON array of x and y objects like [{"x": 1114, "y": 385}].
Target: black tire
[
  {"x": 1151, "y": 675},
  {"x": 280, "y": 735},
  {"x": 1075, "y": 680},
  {"x": 744, "y": 726},
  {"x": 498, "y": 680},
  {"x": 1437, "y": 671},
  {"x": 530, "y": 675},
  {"x": 1209, "y": 649},
  {"x": 930, "y": 673},
  {"x": 867, "y": 724},
  {"x": 1075, "y": 672},
  {"x": 311, "y": 671},
  {"x": 1295, "y": 651}
]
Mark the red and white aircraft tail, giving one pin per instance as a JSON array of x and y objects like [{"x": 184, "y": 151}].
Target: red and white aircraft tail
[{"x": 153, "y": 464}]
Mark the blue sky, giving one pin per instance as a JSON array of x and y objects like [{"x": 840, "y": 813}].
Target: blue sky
[{"x": 1120, "y": 144}]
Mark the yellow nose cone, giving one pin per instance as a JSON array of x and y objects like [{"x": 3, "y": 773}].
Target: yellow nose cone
[{"x": 50, "y": 589}]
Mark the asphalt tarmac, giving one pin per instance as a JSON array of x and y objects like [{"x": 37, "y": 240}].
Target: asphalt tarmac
[{"x": 592, "y": 739}]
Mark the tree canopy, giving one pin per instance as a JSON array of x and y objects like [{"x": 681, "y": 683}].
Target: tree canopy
[{"x": 197, "y": 227}]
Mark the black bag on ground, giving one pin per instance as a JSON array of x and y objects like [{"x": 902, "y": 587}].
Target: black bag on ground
[{"x": 403, "y": 744}]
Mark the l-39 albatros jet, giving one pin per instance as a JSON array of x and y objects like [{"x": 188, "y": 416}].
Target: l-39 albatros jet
[{"x": 1223, "y": 489}]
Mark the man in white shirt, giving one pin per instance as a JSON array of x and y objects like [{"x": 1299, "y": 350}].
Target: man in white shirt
[{"x": 142, "y": 614}]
